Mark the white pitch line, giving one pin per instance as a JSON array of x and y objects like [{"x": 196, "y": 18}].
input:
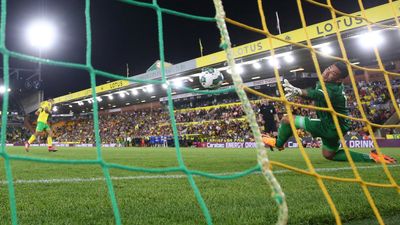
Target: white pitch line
[{"x": 93, "y": 179}]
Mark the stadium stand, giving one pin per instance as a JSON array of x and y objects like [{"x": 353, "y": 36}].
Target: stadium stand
[
  {"x": 212, "y": 120},
  {"x": 208, "y": 119}
]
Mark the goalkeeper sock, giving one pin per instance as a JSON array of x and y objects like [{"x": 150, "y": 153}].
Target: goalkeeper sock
[
  {"x": 32, "y": 139},
  {"x": 356, "y": 156},
  {"x": 284, "y": 133},
  {"x": 49, "y": 141}
]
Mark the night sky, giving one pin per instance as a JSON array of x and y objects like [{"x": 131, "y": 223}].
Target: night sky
[{"x": 124, "y": 33}]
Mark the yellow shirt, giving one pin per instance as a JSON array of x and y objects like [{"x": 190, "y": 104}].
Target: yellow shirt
[{"x": 43, "y": 115}]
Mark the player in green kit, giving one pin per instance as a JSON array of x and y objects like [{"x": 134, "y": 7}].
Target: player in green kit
[{"x": 324, "y": 126}]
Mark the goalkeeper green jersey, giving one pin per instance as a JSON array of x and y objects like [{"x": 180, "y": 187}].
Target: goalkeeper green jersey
[{"x": 339, "y": 103}]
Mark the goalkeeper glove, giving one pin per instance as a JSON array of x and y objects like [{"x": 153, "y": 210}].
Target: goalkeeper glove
[{"x": 291, "y": 90}]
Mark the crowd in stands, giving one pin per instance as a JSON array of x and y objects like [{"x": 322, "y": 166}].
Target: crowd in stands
[
  {"x": 220, "y": 113},
  {"x": 376, "y": 102},
  {"x": 138, "y": 125},
  {"x": 207, "y": 123},
  {"x": 16, "y": 134},
  {"x": 192, "y": 103}
]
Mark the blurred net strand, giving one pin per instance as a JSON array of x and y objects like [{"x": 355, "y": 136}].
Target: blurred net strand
[
  {"x": 262, "y": 156},
  {"x": 307, "y": 160},
  {"x": 359, "y": 105},
  {"x": 132, "y": 79},
  {"x": 381, "y": 66},
  {"x": 327, "y": 7},
  {"x": 332, "y": 9},
  {"x": 137, "y": 169},
  {"x": 169, "y": 11},
  {"x": 316, "y": 64},
  {"x": 330, "y": 108},
  {"x": 121, "y": 77},
  {"x": 390, "y": 89},
  {"x": 236, "y": 175},
  {"x": 250, "y": 90},
  {"x": 6, "y": 83},
  {"x": 303, "y": 46},
  {"x": 340, "y": 179},
  {"x": 335, "y": 119},
  {"x": 88, "y": 67},
  {"x": 394, "y": 12},
  {"x": 244, "y": 26},
  {"x": 181, "y": 163},
  {"x": 93, "y": 72},
  {"x": 105, "y": 166},
  {"x": 113, "y": 76},
  {"x": 105, "y": 169}
]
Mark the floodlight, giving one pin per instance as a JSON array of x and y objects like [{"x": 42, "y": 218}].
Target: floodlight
[
  {"x": 274, "y": 62},
  {"x": 134, "y": 92},
  {"x": 288, "y": 58},
  {"x": 178, "y": 82},
  {"x": 150, "y": 88},
  {"x": 257, "y": 65},
  {"x": 371, "y": 39},
  {"x": 122, "y": 94},
  {"x": 327, "y": 50},
  {"x": 41, "y": 34},
  {"x": 324, "y": 48},
  {"x": 239, "y": 69},
  {"x": 110, "y": 97},
  {"x": 3, "y": 89},
  {"x": 99, "y": 99}
]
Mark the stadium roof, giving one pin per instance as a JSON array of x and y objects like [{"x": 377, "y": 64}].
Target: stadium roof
[{"x": 323, "y": 39}]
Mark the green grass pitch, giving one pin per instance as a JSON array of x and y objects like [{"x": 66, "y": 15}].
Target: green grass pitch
[{"x": 77, "y": 194}]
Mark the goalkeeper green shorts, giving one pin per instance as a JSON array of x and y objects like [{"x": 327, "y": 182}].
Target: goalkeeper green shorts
[
  {"x": 42, "y": 126},
  {"x": 327, "y": 133}
]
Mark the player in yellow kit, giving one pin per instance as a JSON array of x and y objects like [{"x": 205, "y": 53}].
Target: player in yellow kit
[{"x": 43, "y": 114}]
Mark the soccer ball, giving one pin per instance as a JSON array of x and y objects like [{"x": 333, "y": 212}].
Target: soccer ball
[{"x": 211, "y": 78}]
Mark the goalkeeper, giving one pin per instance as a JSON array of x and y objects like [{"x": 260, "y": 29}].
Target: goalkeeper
[
  {"x": 43, "y": 114},
  {"x": 324, "y": 127}
]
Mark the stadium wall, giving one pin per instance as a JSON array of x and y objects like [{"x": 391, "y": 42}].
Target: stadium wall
[
  {"x": 290, "y": 144},
  {"x": 293, "y": 144}
]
